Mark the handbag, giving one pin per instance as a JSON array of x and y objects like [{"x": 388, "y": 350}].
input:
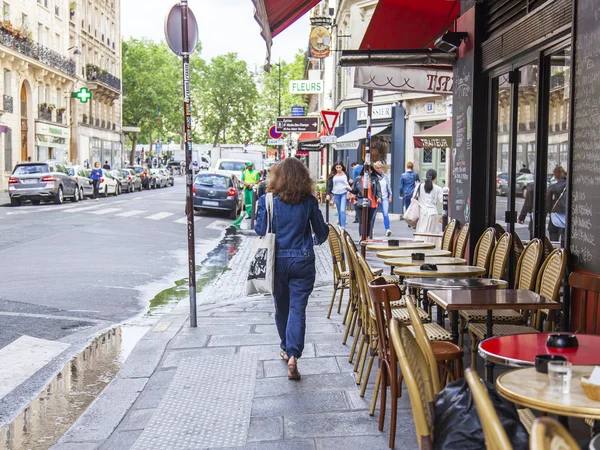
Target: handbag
[
  {"x": 413, "y": 212},
  {"x": 262, "y": 266}
]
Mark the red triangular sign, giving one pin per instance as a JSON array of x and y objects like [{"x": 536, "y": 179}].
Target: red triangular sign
[{"x": 329, "y": 120}]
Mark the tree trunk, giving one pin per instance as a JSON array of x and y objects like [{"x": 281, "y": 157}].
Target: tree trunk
[
  {"x": 216, "y": 141},
  {"x": 133, "y": 146}
]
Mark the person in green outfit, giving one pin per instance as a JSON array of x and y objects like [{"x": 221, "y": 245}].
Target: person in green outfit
[{"x": 250, "y": 178}]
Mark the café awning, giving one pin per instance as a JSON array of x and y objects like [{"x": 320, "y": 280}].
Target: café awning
[
  {"x": 351, "y": 141},
  {"x": 426, "y": 80},
  {"x": 274, "y": 16},
  {"x": 438, "y": 136}
]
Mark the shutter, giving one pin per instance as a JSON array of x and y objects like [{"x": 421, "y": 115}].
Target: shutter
[{"x": 8, "y": 165}]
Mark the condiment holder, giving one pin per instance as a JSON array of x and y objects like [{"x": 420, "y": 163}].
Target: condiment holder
[
  {"x": 418, "y": 256},
  {"x": 541, "y": 362},
  {"x": 393, "y": 242},
  {"x": 562, "y": 340}
]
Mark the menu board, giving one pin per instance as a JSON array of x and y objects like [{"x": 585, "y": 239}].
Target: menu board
[
  {"x": 462, "y": 125},
  {"x": 585, "y": 193}
]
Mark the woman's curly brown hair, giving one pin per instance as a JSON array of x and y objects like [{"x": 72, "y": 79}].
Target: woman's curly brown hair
[{"x": 291, "y": 181}]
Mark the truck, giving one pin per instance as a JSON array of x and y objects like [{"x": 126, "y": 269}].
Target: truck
[{"x": 239, "y": 152}]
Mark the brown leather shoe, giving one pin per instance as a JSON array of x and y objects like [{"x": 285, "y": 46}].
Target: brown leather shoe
[{"x": 293, "y": 373}]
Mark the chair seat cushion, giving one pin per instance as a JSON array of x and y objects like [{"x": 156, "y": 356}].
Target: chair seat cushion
[
  {"x": 479, "y": 330},
  {"x": 435, "y": 332},
  {"x": 502, "y": 315},
  {"x": 446, "y": 351},
  {"x": 402, "y": 314}
]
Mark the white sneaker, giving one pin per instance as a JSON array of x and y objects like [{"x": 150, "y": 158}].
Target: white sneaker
[{"x": 388, "y": 233}]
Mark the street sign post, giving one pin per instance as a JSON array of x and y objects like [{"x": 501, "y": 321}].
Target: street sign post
[
  {"x": 328, "y": 139},
  {"x": 329, "y": 119},
  {"x": 273, "y": 133},
  {"x": 181, "y": 32},
  {"x": 297, "y": 125},
  {"x": 276, "y": 142}
]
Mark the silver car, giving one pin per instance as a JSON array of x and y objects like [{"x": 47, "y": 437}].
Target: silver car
[
  {"x": 37, "y": 181},
  {"x": 82, "y": 177}
]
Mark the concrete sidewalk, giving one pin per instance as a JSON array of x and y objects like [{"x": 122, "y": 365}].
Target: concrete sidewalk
[
  {"x": 4, "y": 198},
  {"x": 223, "y": 385}
]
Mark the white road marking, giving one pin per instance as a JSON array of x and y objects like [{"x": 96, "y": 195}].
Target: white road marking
[
  {"x": 105, "y": 211},
  {"x": 133, "y": 212},
  {"x": 159, "y": 216},
  {"x": 24, "y": 357},
  {"x": 182, "y": 220},
  {"x": 87, "y": 208}
]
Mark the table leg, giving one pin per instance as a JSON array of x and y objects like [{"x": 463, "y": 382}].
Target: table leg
[
  {"x": 454, "y": 326},
  {"x": 564, "y": 421},
  {"x": 489, "y": 365},
  {"x": 391, "y": 270},
  {"x": 425, "y": 300}
]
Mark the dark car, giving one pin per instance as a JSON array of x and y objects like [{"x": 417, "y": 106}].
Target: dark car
[
  {"x": 217, "y": 191},
  {"x": 37, "y": 181},
  {"x": 148, "y": 180}
]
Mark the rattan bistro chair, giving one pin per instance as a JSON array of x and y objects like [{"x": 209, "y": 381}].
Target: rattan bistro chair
[
  {"x": 461, "y": 241},
  {"x": 484, "y": 249},
  {"x": 549, "y": 281},
  {"x": 341, "y": 276},
  {"x": 493, "y": 432},
  {"x": 418, "y": 382},
  {"x": 349, "y": 248},
  {"x": 448, "y": 236},
  {"x": 589, "y": 286},
  {"x": 548, "y": 434}
]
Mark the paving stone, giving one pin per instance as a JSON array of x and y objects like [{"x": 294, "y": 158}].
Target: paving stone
[
  {"x": 76, "y": 446},
  {"x": 149, "y": 399},
  {"x": 210, "y": 329},
  {"x": 174, "y": 357},
  {"x": 265, "y": 429},
  {"x": 246, "y": 339},
  {"x": 344, "y": 365},
  {"x": 326, "y": 382},
  {"x": 363, "y": 443},
  {"x": 353, "y": 423},
  {"x": 161, "y": 379},
  {"x": 260, "y": 370},
  {"x": 136, "y": 419},
  {"x": 143, "y": 360},
  {"x": 304, "y": 403},
  {"x": 272, "y": 387},
  {"x": 232, "y": 321},
  {"x": 332, "y": 349},
  {"x": 189, "y": 341},
  {"x": 309, "y": 366},
  {"x": 271, "y": 352},
  {"x": 121, "y": 440},
  {"x": 305, "y": 444}
]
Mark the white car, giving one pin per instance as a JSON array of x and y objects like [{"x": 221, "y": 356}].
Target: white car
[
  {"x": 234, "y": 166},
  {"x": 161, "y": 178},
  {"x": 108, "y": 184}
]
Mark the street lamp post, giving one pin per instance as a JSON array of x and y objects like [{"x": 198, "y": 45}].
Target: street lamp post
[{"x": 367, "y": 174}]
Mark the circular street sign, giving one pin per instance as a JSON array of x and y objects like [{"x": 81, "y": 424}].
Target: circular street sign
[
  {"x": 273, "y": 133},
  {"x": 173, "y": 30}
]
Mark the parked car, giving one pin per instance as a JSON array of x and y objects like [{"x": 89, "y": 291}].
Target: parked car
[
  {"x": 148, "y": 181},
  {"x": 108, "y": 184},
  {"x": 217, "y": 190},
  {"x": 502, "y": 183},
  {"x": 232, "y": 166},
  {"x": 82, "y": 177},
  {"x": 125, "y": 184},
  {"x": 161, "y": 178},
  {"x": 37, "y": 181},
  {"x": 134, "y": 178},
  {"x": 522, "y": 183},
  {"x": 169, "y": 175}
]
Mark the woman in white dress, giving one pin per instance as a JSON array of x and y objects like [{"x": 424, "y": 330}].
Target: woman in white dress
[{"x": 430, "y": 197}]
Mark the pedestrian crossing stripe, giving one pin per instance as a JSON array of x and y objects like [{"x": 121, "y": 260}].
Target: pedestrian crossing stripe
[
  {"x": 133, "y": 212},
  {"x": 105, "y": 211},
  {"x": 159, "y": 216}
]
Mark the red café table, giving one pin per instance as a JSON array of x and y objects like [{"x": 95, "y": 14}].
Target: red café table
[{"x": 520, "y": 350}]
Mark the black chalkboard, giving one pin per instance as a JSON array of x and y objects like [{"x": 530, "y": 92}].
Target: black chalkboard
[
  {"x": 462, "y": 124},
  {"x": 585, "y": 170}
]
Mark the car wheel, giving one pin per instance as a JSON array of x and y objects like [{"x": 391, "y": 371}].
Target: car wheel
[
  {"x": 35, "y": 202},
  {"x": 105, "y": 194},
  {"x": 118, "y": 190},
  {"x": 59, "y": 197},
  {"x": 130, "y": 188},
  {"x": 81, "y": 194},
  {"x": 75, "y": 197},
  {"x": 233, "y": 213},
  {"x": 16, "y": 202}
]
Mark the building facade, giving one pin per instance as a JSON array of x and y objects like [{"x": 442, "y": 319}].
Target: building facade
[
  {"x": 95, "y": 31},
  {"x": 38, "y": 74}
]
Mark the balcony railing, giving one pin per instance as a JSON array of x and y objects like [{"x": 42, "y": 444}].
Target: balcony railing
[
  {"x": 95, "y": 73},
  {"x": 97, "y": 122},
  {"x": 45, "y": 114},
  {"x": 7, "y": 104},
  {"x": 32, "y": 49},
  {"x": 59, "y": 117},
  {"x": 103, "y": 124}
]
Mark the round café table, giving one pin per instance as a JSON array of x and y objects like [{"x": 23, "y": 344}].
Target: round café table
[
  {"x": 408, "y": 253},
  {"x": 401, "y": 246},
  {"x": 386, "y": 239},
  {"x": 531, "y": 389},
  {"x": 442, "y": 272},
  {"x": 431, "y": 235},
  {"x": 438, "y": 260},
  {"x": 520, "y": 350}
]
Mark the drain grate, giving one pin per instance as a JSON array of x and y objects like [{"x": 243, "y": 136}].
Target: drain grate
[{"x": 208, "y": 404}]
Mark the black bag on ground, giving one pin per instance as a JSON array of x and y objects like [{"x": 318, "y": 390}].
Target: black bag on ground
[{"x": 457, "y": 425}]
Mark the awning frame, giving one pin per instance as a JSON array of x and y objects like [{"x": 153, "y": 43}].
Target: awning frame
[{"x": 407, "y": 57}]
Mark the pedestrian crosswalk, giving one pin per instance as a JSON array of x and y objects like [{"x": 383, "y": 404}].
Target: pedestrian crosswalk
[
  {"x": 131, "y": 213},
  {"x": 159, "y": 216}
]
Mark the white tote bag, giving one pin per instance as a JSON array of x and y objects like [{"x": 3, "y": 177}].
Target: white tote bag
[
  {"x": 413, "y": 212},
  {"x": 262, "y": 267}
]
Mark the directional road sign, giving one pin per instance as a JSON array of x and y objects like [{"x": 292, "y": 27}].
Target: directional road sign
[
  {"x": 276, "y": 142},
  {"x": 297, "y": 124},
  {"x": 273, "y": 133},
  {"x": 328, "y": 139}
]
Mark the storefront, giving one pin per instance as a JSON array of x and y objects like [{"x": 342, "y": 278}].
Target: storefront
[
  {"x": 107, "y": 151},
  {"x": 52, "y": 142},
  {"x": 434, "y": 145}
]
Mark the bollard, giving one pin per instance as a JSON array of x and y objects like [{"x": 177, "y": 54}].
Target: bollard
[
  {"x": 253, "y": 215},
  {"x": 445, "y": 192}
]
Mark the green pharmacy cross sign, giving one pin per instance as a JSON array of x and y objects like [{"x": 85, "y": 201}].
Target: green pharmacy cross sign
[{"x": 82, "y": 94}]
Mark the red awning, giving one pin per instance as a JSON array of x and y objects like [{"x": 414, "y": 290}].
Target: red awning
[
  {"x": 438, "y": 136},
  {"x": 409, "y": 24},
  {"x": 274, "y": 16}
]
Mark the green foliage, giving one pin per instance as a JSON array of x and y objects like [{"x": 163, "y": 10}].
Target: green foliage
[{"x": 225, "y": 96}]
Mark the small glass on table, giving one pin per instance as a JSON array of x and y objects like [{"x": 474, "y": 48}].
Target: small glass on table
[{"x": 559, "y": 374}]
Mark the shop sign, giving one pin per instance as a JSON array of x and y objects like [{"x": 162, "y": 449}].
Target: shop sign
[
  {"x": 319, "y": 42},
  {"x": 433, "y": 142},
  {"x": 346, "y": 145},
  {"x": 307, "y": 87},
  {"x": 51, "y": 130},
  {"x": 404, "y": 79},
  {"x": 379, "y": 112}
]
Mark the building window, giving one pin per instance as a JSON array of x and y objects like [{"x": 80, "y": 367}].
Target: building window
[
  {"x": 7, "y": 82},
  {"x": 41, "y": 94},
  {"x": 59, "y": 98},
  {"x": 40, "y": 33},
  {"x": 6, "y": 11},
  {"x": 48, "y": 95}
]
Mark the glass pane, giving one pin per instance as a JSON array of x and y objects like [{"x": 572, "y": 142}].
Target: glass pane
[
  {"x": 502, "y": 146},
  {"x": 526, "y": 149},
  {"x": 428, "y": 155},
  {"x": 558, "y": 145}
]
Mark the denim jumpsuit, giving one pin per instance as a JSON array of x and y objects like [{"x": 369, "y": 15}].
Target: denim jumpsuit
[{"x": 294, "y": 264}]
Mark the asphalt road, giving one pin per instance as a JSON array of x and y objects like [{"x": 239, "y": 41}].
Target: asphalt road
[{"x": 68, "y": 271}]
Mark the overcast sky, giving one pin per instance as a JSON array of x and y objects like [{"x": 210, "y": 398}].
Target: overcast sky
[{"x": 224, "y": 26}]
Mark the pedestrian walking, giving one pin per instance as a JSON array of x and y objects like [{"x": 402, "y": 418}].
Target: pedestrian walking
[
  {"x": 408, "y": 181},
  {"x": 250, "y": 178},
  {"x": 430, "y": 197},
  {"x": 373, "y": 203},
  {"x": 527, "y": 209},
  {"x": 338, "y": 186},
  {"x": 106, "y": 165},
  {"x": 556, "y": 204},
  {"x": 298, "y": 225},
  {"x": 96, "y": 175},
  {"x": 386, "y": 198},
  {"x": 353, "y": 176}
]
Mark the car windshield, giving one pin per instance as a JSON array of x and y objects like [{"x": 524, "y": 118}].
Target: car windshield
[
  {"x": 237, "y": 166},
  {"x": 31, "y": 169},
  {"x": 125, "y": 173},
  {"x": 213, "y": 180},
  {"x": 71, "y": 171},
  {"x": 138, "y": 169}
]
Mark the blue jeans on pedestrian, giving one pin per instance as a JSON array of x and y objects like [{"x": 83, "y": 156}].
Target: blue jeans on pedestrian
[
  {"x": 406, "y": 199},
  {"x": 340, "y": 201},
  {"x": 384, "y": 207},
  {"x": 294, "y": 282}
]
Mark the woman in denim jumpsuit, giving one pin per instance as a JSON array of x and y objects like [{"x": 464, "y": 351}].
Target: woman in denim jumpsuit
[{"x": 298, "y": 225}]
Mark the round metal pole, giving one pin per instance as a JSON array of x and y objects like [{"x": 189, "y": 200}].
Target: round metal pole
[
  {"x": 445, "y": 192},
  {"x": 189, "y": 179},
  {"x": 367, "y": 174},
  {"x": 326, "y": 179}
]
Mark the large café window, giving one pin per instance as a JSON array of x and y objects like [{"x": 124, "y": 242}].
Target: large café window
[{"x": 531, "y": 139}]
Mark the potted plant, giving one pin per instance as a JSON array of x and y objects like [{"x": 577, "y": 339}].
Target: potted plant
[
  {"x": 51, "y": 107},
  {"x": 61, "y": 110},
  {"x": 72, "y": 7},
  {"x": 43, "y": 106},
  {"x": 85, "y": 118}
]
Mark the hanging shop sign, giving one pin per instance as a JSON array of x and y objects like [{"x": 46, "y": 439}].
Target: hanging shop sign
[
  {"x": 307, "y": 86},
  {"x": 405, "y": 79},
  {"x": 319, "y": 42}
]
